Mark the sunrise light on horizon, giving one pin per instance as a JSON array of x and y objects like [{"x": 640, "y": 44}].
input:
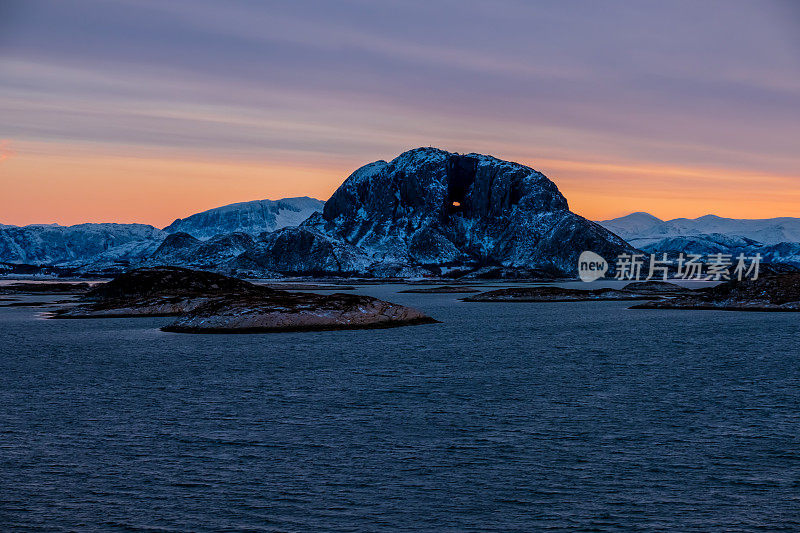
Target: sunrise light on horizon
[{"x": 148, "y": 111}]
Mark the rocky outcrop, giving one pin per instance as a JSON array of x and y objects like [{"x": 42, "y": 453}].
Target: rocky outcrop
[
  {"x": 552, "y": 294},
  {"x": 283, "y": 311},
  {"x": 657, "y": 288},
  {"x": 304, "y": 250},
  {"x": 773, "y": 292},
  {"x": 169, "y": 281},
  {"x": 209, "y": 302},
  {"x": 217, "y": 253},
  {"x": 159, "y": 291}
]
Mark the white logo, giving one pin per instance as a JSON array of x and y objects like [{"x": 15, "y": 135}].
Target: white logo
[{"x": 591, "y": 266}]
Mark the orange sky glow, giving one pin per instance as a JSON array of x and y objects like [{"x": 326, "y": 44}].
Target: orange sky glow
[
  {"x": 148, "y": 111},
  {"x": 41, "y": 185}
]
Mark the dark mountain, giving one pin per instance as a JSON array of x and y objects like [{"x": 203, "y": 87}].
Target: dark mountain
[
  {"x": 430, "y": 211},
  {"x": 304, "y": 250}
]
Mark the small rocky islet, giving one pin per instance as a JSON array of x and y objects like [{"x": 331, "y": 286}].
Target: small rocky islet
[
  {"x": 773, "y": 292},
  {"x": 40, "y": 287},
  {"x": 157, "y": 291},
  {"x": 206, "y": 302},
  {"x": 443, "y": 289},
  {"x": 285, "y": 311},
  {"x": 643, "y": 290}
]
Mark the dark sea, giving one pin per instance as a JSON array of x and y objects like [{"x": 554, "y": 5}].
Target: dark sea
[{"x": 504, "y": 417}]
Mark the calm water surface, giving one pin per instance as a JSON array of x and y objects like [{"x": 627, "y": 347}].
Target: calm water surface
[{"x": 505, "y": 417}]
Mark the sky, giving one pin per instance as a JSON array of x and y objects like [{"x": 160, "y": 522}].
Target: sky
[{"x": 150, "y": 110}]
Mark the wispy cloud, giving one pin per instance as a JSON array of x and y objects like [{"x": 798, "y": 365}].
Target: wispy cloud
[{"x": 5, "y": 150}]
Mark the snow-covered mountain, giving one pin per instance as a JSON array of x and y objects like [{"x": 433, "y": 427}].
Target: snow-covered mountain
[
  {"x": 52, "y": 244},
  {"x": 106, "y": 245},
  {"x": 776, "y": 239},
  {"x": 252, "y": 218},
  {"x": 430, "y": 211},
  {"x": 638, "y": 226},
  {"x": 783, "y": 252},
  {"x": 634, "y": 225}
]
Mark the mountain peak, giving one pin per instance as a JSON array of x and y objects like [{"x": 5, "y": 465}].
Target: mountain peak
[
  {"x": 644, "y": 214},
  {"x": 638, "y": 215}
]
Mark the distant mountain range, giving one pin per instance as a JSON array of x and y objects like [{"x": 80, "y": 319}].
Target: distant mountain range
[
  {"x": 776, "y": 239},
  {"x": 51, "y": 244},
  {"x": 426, "y": 212},
  {"x": 641, "y": 226},
  {"x": 107, "y": 243}
]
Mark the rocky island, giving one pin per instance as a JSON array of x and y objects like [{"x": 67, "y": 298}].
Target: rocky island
[
  {"x": 214, "y": 303},
  {"x": 644, "y": 290},
  {"x": 39, "y": 288},
  {"x": 286, "y": 311},
  {"x": 433, "y": 212},
  {"x": 773, "y": 292},
  {"x": 444, "y": 289},
  {"x": 157, "y": 291},
  {"x": 42, "y": 288}
]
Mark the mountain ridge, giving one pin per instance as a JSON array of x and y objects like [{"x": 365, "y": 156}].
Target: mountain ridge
[
  {"x": 776, "y": 239},
  {"x": 108, "y": 243},
  {"x": 425, "y": 212},
  {"x": 642, "y": 225}
]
